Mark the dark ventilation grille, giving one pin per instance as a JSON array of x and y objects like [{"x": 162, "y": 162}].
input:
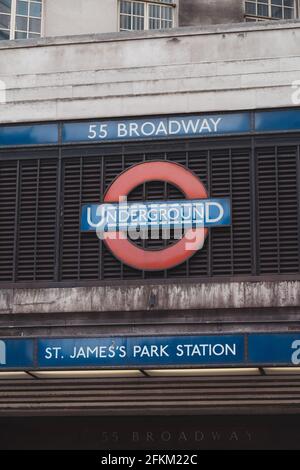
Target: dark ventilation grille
[
  {"x": 42, "y": 196},
  {"x": 277, "y": 210},
  {"x": 28, "y": 206},
  {"x": 36, "y": 220},
  {"x": 8, "y": 184}
]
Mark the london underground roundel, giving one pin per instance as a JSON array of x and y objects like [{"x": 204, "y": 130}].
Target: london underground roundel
[{"x": 196, "y": 212}]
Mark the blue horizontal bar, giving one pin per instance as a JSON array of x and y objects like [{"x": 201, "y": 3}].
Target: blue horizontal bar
[
  {"x": 285, "y": 120},
  {"x": 29, "y": 135},
  {"x": 164, "y": 127},
  {"x": 17, "y": 353},
  {"x": 281, "y": 349},
  {"x": 272, "y": 349}
]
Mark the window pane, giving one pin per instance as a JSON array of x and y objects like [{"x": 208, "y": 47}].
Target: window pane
[
  {"x": 21, "y": 23},
  {"x": 20, "y": 35},
  {"x": 34, "y": 25},
  {"x": 4, "y": 35},
  {"x": 35, "y": 9},
  {"x": 276, "y": 2},
  {"x": 250, "y": 8},
  {"x": 4, "y": 21},
  {"x": 5, "y": 6},
  {"x": 166, "y": 24},
  {"x": 154, "y": 11},
  {"x": 138, "y": 8},
  {"x": 288, "y": 13},
  {"x": 125, "y": 7},
  {"x": 166, "y": 13},
  {"x": 22, "y": 8},
  {"x": 289, "y": 3},
  {"x": 154, "y": 24},
  {"x": 137, "y": 23},
  {"x": 276, "y": 12},
  {"x": 262, "y": 10},
  {"x": 125, "y": 22}
]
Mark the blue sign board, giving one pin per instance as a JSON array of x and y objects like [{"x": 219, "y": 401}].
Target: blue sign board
[
  {"x": 29, "y": 135},
  {"x": 158, "y": 214},
  {"x": 153, "y": 128},
  {"x": 157, "y": 128},
  {"x": 141, "y": 351},
  {"x": 16, "y": 353},
  {"x": 274, "y": 121},
  {"x": 273, "y": 349}
]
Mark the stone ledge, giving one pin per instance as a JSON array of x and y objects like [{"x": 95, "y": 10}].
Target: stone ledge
[
  {"x": 168, "y": 33},
  {"x": 151, "y": 297}
]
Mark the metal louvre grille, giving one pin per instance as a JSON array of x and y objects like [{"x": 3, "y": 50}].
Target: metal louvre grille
[
  {"x": 28, "y": 205},
  {"x": 277, "y": 210},
  {"x": 36, "y": 220},
  {"x": 8, "y": 182},
  {"x": 149, "y": 395},
  {"x": 225, "y": 172},
  {"x": 41, "y": 194}
]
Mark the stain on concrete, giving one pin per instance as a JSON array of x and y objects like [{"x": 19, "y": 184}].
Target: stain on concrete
[{"x": 189, "y": 296}]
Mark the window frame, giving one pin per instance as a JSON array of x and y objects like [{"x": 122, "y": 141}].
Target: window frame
[
  {"x": 13, "y": 19},
  {"x": 256, "y": 17},
  {"x": 147, "y": 3}
]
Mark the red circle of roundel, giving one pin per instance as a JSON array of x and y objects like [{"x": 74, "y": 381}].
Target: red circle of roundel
[{"x": 156, "y": 260}]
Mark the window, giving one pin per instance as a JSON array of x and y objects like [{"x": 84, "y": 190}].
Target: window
[
  {"x": 137, "y": 16},
  {"x": 20, "y": 19},
  {"x": 269, "y": 9}
]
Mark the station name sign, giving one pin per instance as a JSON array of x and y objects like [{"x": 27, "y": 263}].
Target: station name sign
[
  {"x": 127, "y": 352},
  {"x": 151, "y": 128},
  {"x": 156, "y": 128}
]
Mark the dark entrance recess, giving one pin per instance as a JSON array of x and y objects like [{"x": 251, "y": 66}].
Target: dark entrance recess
[
  {"x": 42, "y": 191},
  {"x": 155, "y": 432}
]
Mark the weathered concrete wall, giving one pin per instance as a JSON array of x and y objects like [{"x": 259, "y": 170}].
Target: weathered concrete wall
[
  {"x": 187, "y": 70},
  {"x": 196, "y": 12},
  {"x": 151, "y": 297},
  {"x": 63, "y": 18}
]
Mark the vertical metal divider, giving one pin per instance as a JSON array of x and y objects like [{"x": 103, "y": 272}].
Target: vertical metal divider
[
  {"x": 231, "y": 210},
  {"x": 187, "y": 263},
  {"x": 36, "y": 216},
  {"x": 298, "y": 199},
  {"x": 59, "y": 210},
  {"x": 123, "y": 168},
  {"x": 277, "y": 210},
  {"x": 253, "y": 206},
  {"x": 100, "y": 261},
  {"x": 209, "y": 189},
  {"x": 79, "y": 221},
  {"x": 16, "y": 222},
  {"x": 166, "y": 197},
  {"x": 144, "y": 199}
]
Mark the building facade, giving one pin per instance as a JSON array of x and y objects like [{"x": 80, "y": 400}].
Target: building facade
[
  {"x": 25, "y": 19},
  {"x": 80, "y": 114}
]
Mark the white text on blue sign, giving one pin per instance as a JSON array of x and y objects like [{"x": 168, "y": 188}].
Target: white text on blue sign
[{"x": 159, "y": 215}]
